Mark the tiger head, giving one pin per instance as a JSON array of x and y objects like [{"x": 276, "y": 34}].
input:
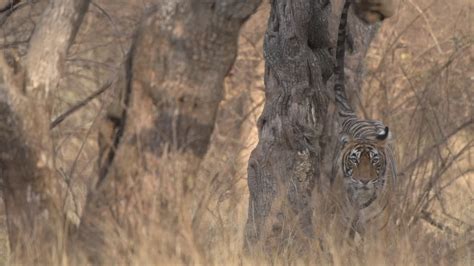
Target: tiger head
[
  {"x": 371, "y": 11},
  {"x": 364, "y": 165}
]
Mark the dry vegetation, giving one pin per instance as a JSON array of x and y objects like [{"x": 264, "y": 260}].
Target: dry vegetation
[{"x": 419, "y": 81}]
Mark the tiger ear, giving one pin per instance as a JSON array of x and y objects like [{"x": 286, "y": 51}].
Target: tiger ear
[
  {"x": 383, "y": 134},
  {"x": 344, "y": 139}
]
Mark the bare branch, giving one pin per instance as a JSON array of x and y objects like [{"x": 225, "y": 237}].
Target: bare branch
[
  {"x": 80, "y": 104},
  {"x": 427, "y": 217},
  {"x": 429, "y": 150}
]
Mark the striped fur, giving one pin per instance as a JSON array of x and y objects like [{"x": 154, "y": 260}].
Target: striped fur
[{"x": 364, "y": 163}]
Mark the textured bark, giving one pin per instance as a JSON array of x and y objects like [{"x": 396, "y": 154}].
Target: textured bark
[
  {"x": 32, "y": 186},
  {"x": 49, "y": 44},
  {"x": 285, "y": 166},
  {"x": 154, "y": 139}
]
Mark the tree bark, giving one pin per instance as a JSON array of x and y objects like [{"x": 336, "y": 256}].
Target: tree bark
[
  {"x": 154, "y": 139},
  {"x": 32, "y": 186},
  {"x": 285, "y": 166}
]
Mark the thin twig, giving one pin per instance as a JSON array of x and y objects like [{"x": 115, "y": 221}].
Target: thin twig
[
  {"x": 428, "y": 24},
  {"x": 429, "y": 150},
  {"x": 112, "y": 22},
  {"x": 424, "y": 197},
  {"x": 11, "y": 4},
  {"x": 427, "y": 217},
  {"x": 11, "y": 7},
  {"x": 80, "y": 104}
]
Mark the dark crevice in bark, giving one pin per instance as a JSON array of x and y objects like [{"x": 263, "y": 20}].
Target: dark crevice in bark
[{"x": 118, "y": 122}]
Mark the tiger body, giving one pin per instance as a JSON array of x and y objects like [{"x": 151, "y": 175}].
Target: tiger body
[{"x": 364, "y": 169}]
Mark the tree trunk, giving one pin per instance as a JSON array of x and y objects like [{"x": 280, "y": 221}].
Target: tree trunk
[
  {"x": 154, "y": 139},
  {"x": 285, "y": 166},
  {"x": 32, "y": 186}
]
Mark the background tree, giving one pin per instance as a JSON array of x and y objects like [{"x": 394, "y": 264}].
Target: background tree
[
  {"x": 32, "y": 187},
  {"x": 169, "y": 91}
]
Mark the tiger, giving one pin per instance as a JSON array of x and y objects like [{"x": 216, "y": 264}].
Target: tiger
[{"x": 364, "y": 167}]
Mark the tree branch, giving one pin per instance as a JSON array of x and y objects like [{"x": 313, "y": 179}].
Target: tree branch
[{"x": 80, "y": 104}]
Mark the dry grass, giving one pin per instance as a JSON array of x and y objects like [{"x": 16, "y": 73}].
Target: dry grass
[{"x": 419, "y": 81}]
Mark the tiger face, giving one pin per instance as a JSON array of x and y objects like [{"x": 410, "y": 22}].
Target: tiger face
[
  {"x": 372, "y": 11},
  {"x": 364, "y": 167}
]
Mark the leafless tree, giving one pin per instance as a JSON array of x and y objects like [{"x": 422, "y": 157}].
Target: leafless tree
[
  {"x": 160, "y": 130},
  {"x": 32, "y": 186}
]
